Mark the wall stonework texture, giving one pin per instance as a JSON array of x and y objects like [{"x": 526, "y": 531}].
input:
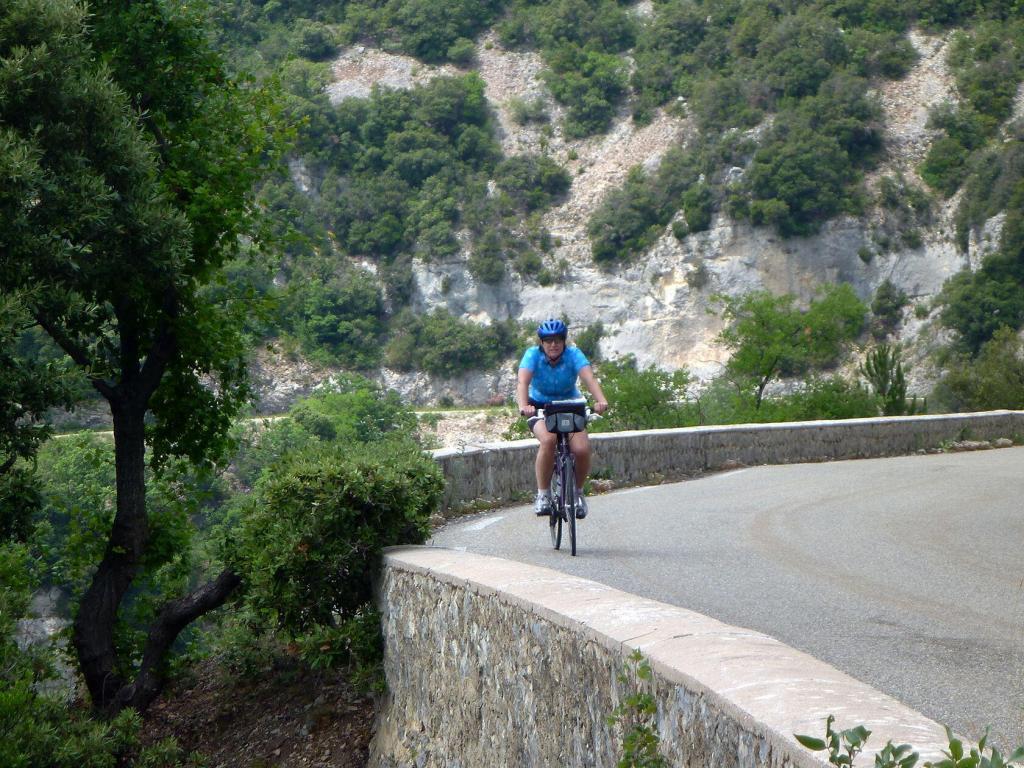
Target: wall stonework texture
[
  {"x": 502, "y": 472},
  {"x": 493, "y": 663}
]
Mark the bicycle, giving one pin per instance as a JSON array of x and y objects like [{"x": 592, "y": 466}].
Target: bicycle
[{"x": 564, "y": 418}]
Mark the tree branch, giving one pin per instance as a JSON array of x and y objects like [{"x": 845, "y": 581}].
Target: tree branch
[
  {"x": 75, "y": 352},
  {"x": 174, "y": 617}
]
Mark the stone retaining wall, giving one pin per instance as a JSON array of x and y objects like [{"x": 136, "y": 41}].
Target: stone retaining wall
[
  {"x": 501, "y": 472},
  {"x": 494, "y": 663}
]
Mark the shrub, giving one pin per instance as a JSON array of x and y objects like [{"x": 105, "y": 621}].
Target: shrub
[
  {"x": 887, "y": 307},
  {"x": 313, "y": 40},
  {"x": 797, "y": 180},
  {"x": 589, "y": 341},
  {"x": 532, "y": 181},
  {"x": 944, "y": 166},
  {"x": 525, "y": 111},
  {"x": 590, "y": 84},
  {"x": 316, "y": 524},
  {"x": 883, "y": 370},
  {"x": 698, "y": 205},
  {"x": 340, "y": 317},
  {"x": 644, "y": 398},
  {"x": 443, "y": 345},
  {"x": 800, "y": 53},
  {"x": 995, "y": 379}
]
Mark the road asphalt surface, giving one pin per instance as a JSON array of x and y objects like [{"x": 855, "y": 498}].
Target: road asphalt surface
[{"x": 907, "y": 573}]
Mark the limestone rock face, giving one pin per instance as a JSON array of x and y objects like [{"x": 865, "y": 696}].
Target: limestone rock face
[{"x": 661, "y": 308}]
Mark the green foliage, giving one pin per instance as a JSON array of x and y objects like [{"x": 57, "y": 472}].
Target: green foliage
[
  {"x": 945, "y": 165},
  {"x": 842, "y": 746},
  {"x": 977, "y": 304},
  {"x": 769, "y": 336},
  {"x": 443, "y": 345},
  {"x": 821, "y": 397},
  {"x": 636, "y": 716},
  {"x": 590, "y": 84},
  {"x": 887, "y": 307},
  {"x": 78, "y": 491},
  {"x": 992, "y": 380},
  {"x": 31, "y": 384},
  {"x": 957, "y": 756},
  {"x": 992, "y": 175},
  {"x": 644, "y": 398},
  {"x": 532, "y": 181},
  {"x": 415, "y": 26},
  {"x": 697, "y": 207},
  {"x": 631, "y": 218},
  {"x": 883, "y": 370},
  {"x": 20, "y": 501},
  {"x": 798, "y": 179},
  {"x": 354, "y": 643},
  {"x": 526, "y": 111},
  {"x": 336, "y": 317},
  {"x": 315, "y": 525},
  {"x": 38, "y": 727},
  {"x": 350, "y": 409},
  {"x": 579, "y": 42},
  {"x": 589, "y": 341}
]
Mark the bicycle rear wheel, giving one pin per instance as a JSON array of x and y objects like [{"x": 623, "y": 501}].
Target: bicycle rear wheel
[
  {"x": 569, "y": 499},
  {"x": 555, "y": 521}
]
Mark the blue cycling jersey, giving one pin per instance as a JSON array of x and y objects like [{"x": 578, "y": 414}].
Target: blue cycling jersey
[{"x": 554, "y": 382}]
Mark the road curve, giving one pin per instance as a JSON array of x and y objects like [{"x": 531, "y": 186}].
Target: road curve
[{"x": 906, "y": 573}]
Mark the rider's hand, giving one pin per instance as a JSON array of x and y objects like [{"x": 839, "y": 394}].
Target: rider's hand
[
  {"x": 601, "y": 406},
  {"x": 528, "y": 411}
]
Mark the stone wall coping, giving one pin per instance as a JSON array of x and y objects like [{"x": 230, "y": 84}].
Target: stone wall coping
[
  {"x": 711, "y": 429},
  {"x": 770, "y": 688}
]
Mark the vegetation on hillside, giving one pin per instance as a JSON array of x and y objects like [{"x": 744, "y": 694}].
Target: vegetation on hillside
[{"x": 151, "y": 238}]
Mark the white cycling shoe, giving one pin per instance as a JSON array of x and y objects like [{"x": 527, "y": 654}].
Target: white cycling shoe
[
  {"x": 542, "y": 504},
  {"x": 581, "y": 506}
]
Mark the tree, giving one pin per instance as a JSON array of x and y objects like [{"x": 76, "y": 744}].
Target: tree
[
  {"x": 770, "y": 336},
  {"x": 883, "y": 370},
  {"x": 128, "y": 159},
  {"x": 30, "y": 387}
]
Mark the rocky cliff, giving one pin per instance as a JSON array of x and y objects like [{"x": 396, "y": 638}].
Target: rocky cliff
[{"x": 661, "y": 308}]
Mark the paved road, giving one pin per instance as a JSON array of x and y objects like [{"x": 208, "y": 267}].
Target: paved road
[{"x": 907, "y": 573}]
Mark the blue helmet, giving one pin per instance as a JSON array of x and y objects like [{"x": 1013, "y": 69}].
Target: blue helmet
[{"x": 552, "y": 327}]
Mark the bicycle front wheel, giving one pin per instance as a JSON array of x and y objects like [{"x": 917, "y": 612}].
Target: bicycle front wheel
[
  {"x": 555, "y": 521},
  {"x": 569, "y": 499}
]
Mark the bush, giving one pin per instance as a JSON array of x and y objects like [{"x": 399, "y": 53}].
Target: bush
[
  {"x": 315, "y": 526},
  {"x": 798, "y": 180},
  {"x": 443, "y": 345},
  {"x": 944, "y": 167},
  {"x": 995, "y": 379},
  {"x": 532, "y": 181},
  {"x": 887, "y": 307},
  {"x": 525, "y": 111},
  {"x": 340, "y": 318},
  {"x": 644, "y": 399},
  {"x": 348, "y": 410},
  {"x": 591, "y": 84}
]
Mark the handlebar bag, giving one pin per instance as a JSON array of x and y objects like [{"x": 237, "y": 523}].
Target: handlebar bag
[{"x": 565, "y": 418}]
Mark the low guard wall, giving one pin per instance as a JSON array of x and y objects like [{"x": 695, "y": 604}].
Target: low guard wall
[
  {"x": 502, "y": 472},
  {"x": 494, "y": 663}
]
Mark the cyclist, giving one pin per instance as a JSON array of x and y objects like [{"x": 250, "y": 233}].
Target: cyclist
[{"x": 549, "y": 372}]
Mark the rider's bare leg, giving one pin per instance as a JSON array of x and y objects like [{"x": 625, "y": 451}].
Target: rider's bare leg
[
  {"x": 580, "y": 446},
  {"x": 545, "y": 462}
]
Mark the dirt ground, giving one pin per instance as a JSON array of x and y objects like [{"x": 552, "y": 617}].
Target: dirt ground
[{"x": 288, "y": 718}]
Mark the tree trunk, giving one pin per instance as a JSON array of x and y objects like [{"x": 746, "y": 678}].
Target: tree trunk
[
  {"x": 105, "y": 674},
  {"x": 93, "y": 635}
]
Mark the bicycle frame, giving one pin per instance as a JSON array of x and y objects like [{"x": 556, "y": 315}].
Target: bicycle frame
[{"x": 563, "y": 478}]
